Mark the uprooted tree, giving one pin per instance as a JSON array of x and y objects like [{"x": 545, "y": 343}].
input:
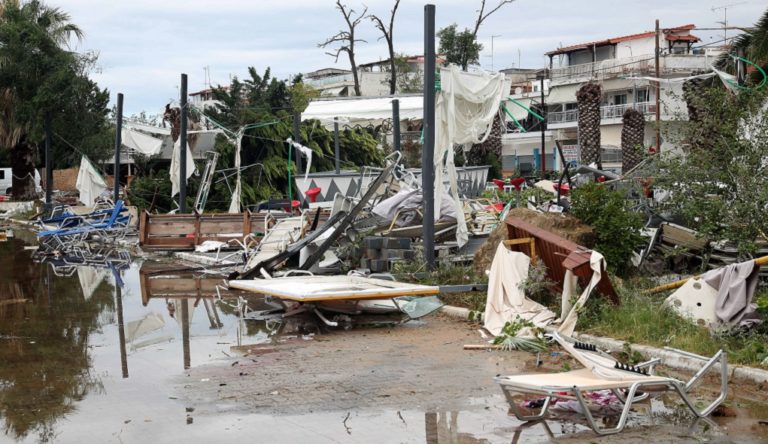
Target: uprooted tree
[{"x": 346, "y": 39}]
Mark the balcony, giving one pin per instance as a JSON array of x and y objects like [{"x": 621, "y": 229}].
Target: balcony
[
  {"x": 330, "y": 80},
  {"x": 672, "y": 64},
  {"x": 606, "y": 112}
]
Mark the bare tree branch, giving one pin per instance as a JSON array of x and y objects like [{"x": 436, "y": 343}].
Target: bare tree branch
[
  {"x": 387, "y": 32},
  {"x": 348, "y": 38},
  {"x": 481, "y": 17}
]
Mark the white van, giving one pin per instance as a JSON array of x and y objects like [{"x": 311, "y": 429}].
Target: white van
[{"x": 6, "y": 181}]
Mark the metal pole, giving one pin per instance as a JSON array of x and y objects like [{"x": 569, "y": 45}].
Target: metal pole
[
  {"x": 121, "y": 325},
  {"x": 428, "y": 150},
  {"x": 48, "y": 159},
  {"x": 396, "y": 125},
  {"x": 658, "y": 92},
  {"x": 336, "y": 150},
  {"x": 543, "y": 124},
  {"x": 183, "y": 150},
  {"x": 185, "y": 333},
  {"x": 118, "y": 143},
  {"x": 297, "y": 139}
]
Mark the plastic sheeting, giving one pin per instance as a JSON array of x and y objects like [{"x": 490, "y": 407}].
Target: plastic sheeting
[
  {"x": 464, "y": 111},
  {"x": 176, "y": 167},
  {"x": 306, "y": 152},
  {"x": 408, "y": 199},
  {"x": 570, "y": 311},
  {"x": 140, "y": 142},
  {"x": 516, "y": 110},
  {"x": 89, "y": 182}
]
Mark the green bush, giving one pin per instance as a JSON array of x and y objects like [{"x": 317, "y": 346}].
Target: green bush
[{"x": 617, "y": 230}]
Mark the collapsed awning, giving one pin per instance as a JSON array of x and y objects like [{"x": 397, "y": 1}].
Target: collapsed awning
[
  {"x": 518, "y": 112},
  {"x": 141, "y": 142},
  {"x": 363, "y": 111}
]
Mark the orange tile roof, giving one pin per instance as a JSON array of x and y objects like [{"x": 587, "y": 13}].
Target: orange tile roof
[{"x": 625, "y": 38}]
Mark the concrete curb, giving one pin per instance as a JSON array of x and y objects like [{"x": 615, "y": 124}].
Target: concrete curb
[{"x": 668, "y": 358}]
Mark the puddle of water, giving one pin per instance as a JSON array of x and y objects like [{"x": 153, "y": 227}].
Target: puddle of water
[{"x": 84, "y": 360}]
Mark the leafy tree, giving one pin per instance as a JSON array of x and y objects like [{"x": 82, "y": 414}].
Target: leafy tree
[
  {"x": 408, "y": 78},
  {"x": 617, "y": 230},
  {"x": 717, "y": 185},
  {"x": 266, "y": 105},
  {"x": 39, "y": 76},
  {"x": 460, "y": 48}
]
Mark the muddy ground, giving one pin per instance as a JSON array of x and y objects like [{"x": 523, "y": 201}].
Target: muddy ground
[{"x": 415, "y": 383}]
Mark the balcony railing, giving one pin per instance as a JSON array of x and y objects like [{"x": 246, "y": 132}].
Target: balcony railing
[
  {"x": 330, "y": 80},
  {"x": 626, "y": 66},
  {"x": 606, "y": 112}
]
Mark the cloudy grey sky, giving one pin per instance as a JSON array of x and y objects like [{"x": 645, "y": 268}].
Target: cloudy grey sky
[{"x": 144, "y": 45}]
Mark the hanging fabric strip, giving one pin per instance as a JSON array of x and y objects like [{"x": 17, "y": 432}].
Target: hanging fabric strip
[
  {"x": 234, "y": 206},
  {"x": 307, "y": 152}
]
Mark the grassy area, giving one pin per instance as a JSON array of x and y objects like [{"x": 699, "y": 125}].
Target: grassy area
[{"x": 642, "y": 319}]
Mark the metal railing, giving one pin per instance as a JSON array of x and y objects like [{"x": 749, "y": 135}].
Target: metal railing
[
  {"x": 340, "y": 78},
  {"x": 606, "y": 112}
]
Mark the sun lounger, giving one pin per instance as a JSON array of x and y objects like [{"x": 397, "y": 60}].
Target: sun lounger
[
  {"x": 603, "y": 373},
  {"x": 112, "y": 226}
]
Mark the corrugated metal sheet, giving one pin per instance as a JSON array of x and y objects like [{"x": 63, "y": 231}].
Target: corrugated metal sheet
[{"x": 554, "y": 250}]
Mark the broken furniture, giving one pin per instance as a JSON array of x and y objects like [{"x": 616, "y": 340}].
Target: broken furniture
[
  {"x": 186, "y": 231},
  {"x": 559, "y": 255},
  {"x": 108, "y": 226},
  {"x": 345, "y": 294},
  {"x": 601, "y": 372}
]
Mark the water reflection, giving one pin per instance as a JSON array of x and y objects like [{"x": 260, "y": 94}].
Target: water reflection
[{"x": 45, "y": 325}]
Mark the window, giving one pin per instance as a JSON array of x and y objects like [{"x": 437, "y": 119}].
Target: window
[
  {"x": 571, "y": 106},
  {"x": 641, "y": 95},
  {"x": 619, "y": 99},
  {"x": 2, "y": 174}
]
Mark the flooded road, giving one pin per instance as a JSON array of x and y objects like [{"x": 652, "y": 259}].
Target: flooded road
[{"x": 132, "y": 351}]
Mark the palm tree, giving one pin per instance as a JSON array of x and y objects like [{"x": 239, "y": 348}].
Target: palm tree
[
  {"x": 589, "y": 97},
  {"x": 33, "y": 48},
  {"x": 632, "y": 135}
]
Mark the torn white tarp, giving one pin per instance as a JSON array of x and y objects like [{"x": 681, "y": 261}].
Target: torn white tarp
[
  {"x": 307, "y": 152},
  {"x": 176, "y": 167},
  {"x": 140, "y": 142},
  {"x": 89, "y": 183},
  {"x": 152, "y": 321},
  {"x": 464, "y": 111},
  {"x": 234, "y": 205},
  {"x": 90, "y": 279},
  {"x": 569, "y": 313},
  {"x": 408, "y": 199},
  {"x": 506, "y": 300}
]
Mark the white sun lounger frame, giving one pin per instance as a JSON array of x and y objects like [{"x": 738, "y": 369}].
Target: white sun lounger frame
[{"x": 527, "y": 385}]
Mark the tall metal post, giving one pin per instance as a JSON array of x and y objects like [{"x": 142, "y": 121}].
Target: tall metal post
[
  {"x": 118, "y": 143},
  {"x": 185, "y": 333},
  {"x": 183, "y": 150},
  {"x": 336, "y": 149},
  {"x": 297, "y": 139},
  {"x": 543, "y": 125},
  {"x": 121, "y": 327},
  {"x": 48, "y": 159},
  {"x": 396, "y": 125},
  {"x": 428, "y": 150},
  {"x": 658, "y": 90}
]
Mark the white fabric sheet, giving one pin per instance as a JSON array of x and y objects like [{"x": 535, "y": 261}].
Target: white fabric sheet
[
  {"x": 306, "y": 152},
  {"x": 143, "y": 143},
  {"x": 363, "y": 111},
  {"x": 176, "y": 167},
  {"x": 570, "y": 311},
  {"x": 464, "y": 111},
  {"x": 506, "y": 301},
  {"x": 89, "y": 182}
]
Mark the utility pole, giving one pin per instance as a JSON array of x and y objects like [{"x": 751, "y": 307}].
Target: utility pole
[
  {"x": 658, "y": 90},
  {"x": 492, "y": 38},
  {"x": 428, "y": 149},
  {"x": 543, "y": 125},
  {"x": 118, "y": 144},
  {"x": 396, "y": 125},
  {"x": 183, "y": 148},
  {"x": 48, "y": 160}
]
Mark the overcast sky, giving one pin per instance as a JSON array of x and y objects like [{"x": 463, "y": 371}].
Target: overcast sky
[{"x": 144, "y": 45}]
